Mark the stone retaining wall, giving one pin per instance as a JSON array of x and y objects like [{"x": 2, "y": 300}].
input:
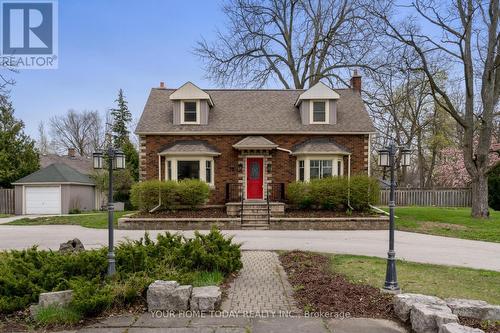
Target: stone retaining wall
[{"x": 277, "y": 223}]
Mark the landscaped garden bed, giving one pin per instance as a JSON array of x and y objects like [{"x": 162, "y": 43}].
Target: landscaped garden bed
[
  {"x": 202, "y": 213},
  {"x": 347, "y": 283},
  {"x": 199, "y": 261}
]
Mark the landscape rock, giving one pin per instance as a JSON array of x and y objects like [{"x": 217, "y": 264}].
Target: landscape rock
[
  {"x": 74, "y": 245},
  {"x": 457, "y": 328},
  {"x": 56, "y": 298},
  {"x": 474, "y": 309},
  {"x": 404, "y": 302},
  {"x": 428, "y": 318},
  {"x": 205, "y": 298},
  {"x": 168, "y": 295}
]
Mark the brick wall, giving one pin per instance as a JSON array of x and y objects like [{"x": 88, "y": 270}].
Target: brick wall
[{"x": 226, "y": 165}]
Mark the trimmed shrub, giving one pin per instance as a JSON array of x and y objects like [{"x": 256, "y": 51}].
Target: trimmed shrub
[
  {"x": 364, "y": 191},
  {"x": 330, "y": 193},
  {"x": 145, "y": 195},
  {"x": 298, "y": 194},
  {"x": 193, "y": 192},
  {"x": 494, "y": 187}
]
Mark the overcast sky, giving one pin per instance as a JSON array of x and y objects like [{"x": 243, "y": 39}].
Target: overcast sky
[{"x": 112, "y": 44}]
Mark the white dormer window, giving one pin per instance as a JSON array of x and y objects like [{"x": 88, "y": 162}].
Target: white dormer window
[
  {"x": 190, "y": 112},
  {"x": 319, "y": 112}
]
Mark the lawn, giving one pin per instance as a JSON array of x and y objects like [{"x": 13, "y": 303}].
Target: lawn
[
  {"x": 90, "y": 220},
  {"x": 441, "y": 281},
  {"x": 5, "y": 215},
  {"x": 451, "y": 222}
]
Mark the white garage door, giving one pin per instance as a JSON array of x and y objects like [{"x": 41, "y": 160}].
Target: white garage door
[{"x": 43, "y": 200}]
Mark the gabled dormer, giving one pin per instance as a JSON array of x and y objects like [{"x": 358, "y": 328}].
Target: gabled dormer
[
  {"x": 318, "y": 105},
  {"x": 191, "y": 105}
]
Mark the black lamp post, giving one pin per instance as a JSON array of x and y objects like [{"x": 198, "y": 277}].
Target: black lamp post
[
  {"x": 386, "y": 158},
  {"x": 116, "y": 160}
]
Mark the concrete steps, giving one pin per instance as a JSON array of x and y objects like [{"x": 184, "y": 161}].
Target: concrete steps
[{"x": 255, "y": 216}]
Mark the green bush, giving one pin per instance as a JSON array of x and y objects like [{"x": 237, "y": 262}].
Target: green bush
[
  {"x": 193, "y": 192},
  {"x": 145, "y": 195},
  {"x": 494, "y": 187},
  {"x": 364, "y": 191},
  {"x": 330, "y": 193},
  {"x": 198, "y": 260},
  {"x": 298, "y": 194},
  {"x": 335, "y": 193}
]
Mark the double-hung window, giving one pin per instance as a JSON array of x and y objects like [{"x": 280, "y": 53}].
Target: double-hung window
[
  {"x": 319, "y": 112},
  {"x": 188, "y": 169},
  {"x": 190, "y": 112},
  {"x": 320, "y": 168}
]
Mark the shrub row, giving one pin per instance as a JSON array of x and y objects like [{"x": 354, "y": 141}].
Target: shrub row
[
  {"x": 335, "y": 193},
  {"x": 25, "y": 274},
  {"x": 192, "y": 193}
]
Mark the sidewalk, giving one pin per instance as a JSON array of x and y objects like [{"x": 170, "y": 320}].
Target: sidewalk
[{"x": 146, "y": 323}]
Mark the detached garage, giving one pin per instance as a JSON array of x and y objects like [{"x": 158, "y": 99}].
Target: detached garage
[{"x": 55, "y": 189}]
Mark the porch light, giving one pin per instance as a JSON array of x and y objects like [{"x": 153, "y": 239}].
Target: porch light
[
  {"x": 119, "y": 159},
  {"x": 269, "y": 167},
  {"x": 98, "y": 160},
  {"x": 383, "y": 157},
  {"x": 405, "y": 156},
  {"x": 240, "y": 167}
]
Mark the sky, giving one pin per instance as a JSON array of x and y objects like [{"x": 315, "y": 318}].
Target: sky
[{"x": 105, "y": 45}]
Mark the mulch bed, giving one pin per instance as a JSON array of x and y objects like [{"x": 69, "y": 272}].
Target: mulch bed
[
  {"x": 486, "y": 326},
  {"x": 319, "y": 290},
  {"x": 187, "y": 213},
  {"x": 324, "y": 213}
]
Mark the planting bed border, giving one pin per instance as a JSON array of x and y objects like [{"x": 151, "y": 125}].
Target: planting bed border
[{"x": 276, "y": 223}]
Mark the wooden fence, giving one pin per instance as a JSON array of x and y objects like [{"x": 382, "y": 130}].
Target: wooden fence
[
  {"x": 442, "y": 197},
  {"x": 7, "y": 201}
]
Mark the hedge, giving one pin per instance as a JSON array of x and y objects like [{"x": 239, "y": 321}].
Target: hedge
[
  {"x": 192, "y": 193},
  {"x": 335, "y": 193}
]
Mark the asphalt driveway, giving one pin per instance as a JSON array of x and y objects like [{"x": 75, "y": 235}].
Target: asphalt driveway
[{"x": 409, "y": 246}]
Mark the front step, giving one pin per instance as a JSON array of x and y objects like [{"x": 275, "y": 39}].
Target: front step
[{"x": 255, "y": 226}]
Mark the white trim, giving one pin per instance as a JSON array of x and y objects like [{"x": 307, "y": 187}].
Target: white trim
[
  {"x": 369, "y": 155},
  {"x": 321, "y": 153},
  {"x": 335, "y": 158},
  {"x": 198, "y": 113},
  {"x": 202, "y": 167},
  {"x": 188, "y": 153},
  {"x": 311, "y": 111}
]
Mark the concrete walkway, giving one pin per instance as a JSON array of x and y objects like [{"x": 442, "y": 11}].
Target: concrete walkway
[
  {"x": 261, "y": 286},
  {"x": 147, "y": 323},
  {"x": 409, "y": 246}
]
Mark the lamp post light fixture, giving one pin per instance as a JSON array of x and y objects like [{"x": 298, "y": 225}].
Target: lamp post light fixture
[
  {"x": 116, "y": 160},
  {"x": 386, "y": 158}
]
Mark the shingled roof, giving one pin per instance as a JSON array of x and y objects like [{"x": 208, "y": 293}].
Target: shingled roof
[
  {"x": 189, "y": 147},
  {"x": 56, "y": 173},
  {"x": 253, "y": 112},
  {"x": 320, "y": 146}
]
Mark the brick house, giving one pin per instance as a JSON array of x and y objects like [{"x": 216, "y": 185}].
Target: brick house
[{"x": 253, "y": 142}]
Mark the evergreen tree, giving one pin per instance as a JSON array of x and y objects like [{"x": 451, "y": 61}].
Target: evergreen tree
[
  {"x": 121, "y": 118},
  {"x": 132, "y": 159},
  {"x": 18, "y": 156}
]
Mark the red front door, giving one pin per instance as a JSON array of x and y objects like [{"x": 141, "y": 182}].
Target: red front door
[{"x": 254, "y": 178}]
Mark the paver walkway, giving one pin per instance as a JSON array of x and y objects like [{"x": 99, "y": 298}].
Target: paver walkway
[{"x": 261, "y": 286}]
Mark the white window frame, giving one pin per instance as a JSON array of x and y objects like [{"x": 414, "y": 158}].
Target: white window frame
[
  {"x": 202, "y": 171},
  {"x": 307, "y": 165},
  {"x": 327, "y": 111},
  {"x": 198, "y": 112}
]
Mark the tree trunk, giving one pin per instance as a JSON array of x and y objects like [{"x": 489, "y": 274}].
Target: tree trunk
[{"x": 480, "y": 196}]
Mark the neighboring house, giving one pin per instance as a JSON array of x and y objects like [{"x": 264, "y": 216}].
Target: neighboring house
[
  {"x": 79, "y": 163},
  {"x": 254, "y": 141},
  {"x": 54, "y": 189}
]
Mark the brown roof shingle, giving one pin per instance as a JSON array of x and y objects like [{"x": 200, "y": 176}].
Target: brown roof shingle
[{"x": 253, "y": 112}]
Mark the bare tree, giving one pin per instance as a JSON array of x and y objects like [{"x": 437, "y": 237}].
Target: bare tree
[
  {"x": 468, "y": 45},
  {"x": 43, "y": 140},
  {"x": 80, "y": 130},
  {"x": 294, "y": 42}
]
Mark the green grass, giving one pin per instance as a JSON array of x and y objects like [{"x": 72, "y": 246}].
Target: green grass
[
  {"x": 203, "y": 278},
  {"x": 54, "y": 315},
  {"x": 451, "y": 222},
  {"x": 5, "y": 215},
  {"x": 441, "y": 281},
  {"x": 90, "y": 220}
]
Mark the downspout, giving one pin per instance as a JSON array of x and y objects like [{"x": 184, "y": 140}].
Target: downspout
[
  {"x": 349, "y": 182},
  {"x": 283, "y": 149},
  {"x": 159, "y": 191}
]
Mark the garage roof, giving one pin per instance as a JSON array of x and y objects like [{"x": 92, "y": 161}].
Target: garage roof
[{"x": 56, "y": 173}]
